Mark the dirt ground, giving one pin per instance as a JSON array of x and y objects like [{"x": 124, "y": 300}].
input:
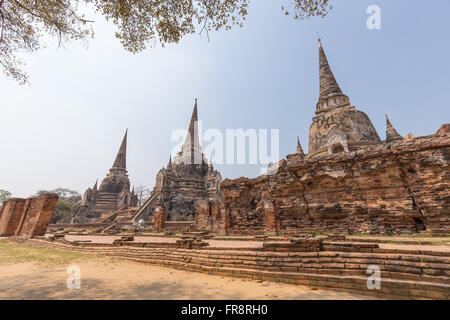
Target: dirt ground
[{"x": 39, "y": 273}]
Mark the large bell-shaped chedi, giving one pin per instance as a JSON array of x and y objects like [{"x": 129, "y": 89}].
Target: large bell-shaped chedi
[
  {"x": 113, "y": 194},
  {"x": 337, "y": 127}
]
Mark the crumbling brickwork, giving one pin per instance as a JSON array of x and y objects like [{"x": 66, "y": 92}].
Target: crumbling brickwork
[
  {"x": 159, "y": 218},
  {"x": 10, "y": 214},
  {"x": 203, "y": 218},
  {"x": 27, "y": 217},
  {"x": 211, "y": 216},
  {"x": 399, "y": 188}
]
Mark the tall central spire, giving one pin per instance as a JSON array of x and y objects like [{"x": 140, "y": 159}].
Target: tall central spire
[
  {"x": 330, "y": 94},
  {"x": 328, "y": 84},
  {"x": 192, "y": 137},
  {"x": 191, "y": 151},
  {"x": 121, "y": 158}
]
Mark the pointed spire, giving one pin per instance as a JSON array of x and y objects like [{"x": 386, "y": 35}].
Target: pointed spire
[
  {"x": 391, "y": 133},
  {"x": 328, "y": 84},
  {"x": 299, "y": 147},
  {"x": 192, "y": 144},
  {"x": 191, "y": 150},
  {"x": 192, "y": 125},
  {"x": 169, "y": 165},
  {"x": 95, "y": 185},
  {"x": 121, "y": 158},
  {"x": 132, "y": 191},
  {"x": 210, "y": 166}
]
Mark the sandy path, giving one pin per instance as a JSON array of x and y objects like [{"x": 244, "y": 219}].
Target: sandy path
[
  {"x": 109, "y": 278},
  {"x": 212, "y": 243},
  {"x": 110, "y": 239}
]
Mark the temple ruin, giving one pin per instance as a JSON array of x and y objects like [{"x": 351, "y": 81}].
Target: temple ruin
[
  {"x": 349, "y": 182},
  {"x": 113, "y": 194},
  {"x": 186, "y": 179},
  {"x": 309, "y": 220}
]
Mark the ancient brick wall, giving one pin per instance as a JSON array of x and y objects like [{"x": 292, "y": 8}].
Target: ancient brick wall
[
  {"x": 203, "y": 219},
  {"x": 210, "y": 216},
  {"x": 28, "y": 217},
  {"x": 159, "y": 218},
  {"x": 388, "y": 189},
  {"x": 37, "y": 215},
  {"x": 11, "y": 212}
]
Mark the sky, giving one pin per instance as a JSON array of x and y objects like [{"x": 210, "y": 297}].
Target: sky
[{"x": 65, "y": 129}]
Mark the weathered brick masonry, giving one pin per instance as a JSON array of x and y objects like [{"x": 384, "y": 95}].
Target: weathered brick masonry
[
  {"x": 10, "y": 214},
  {"x": 389, "y": 189},
  {"x": 28, "y": 217}
]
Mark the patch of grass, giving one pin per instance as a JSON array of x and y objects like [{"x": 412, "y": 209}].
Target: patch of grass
[
  {"x": 16, "y": 253},
  {"x": 362, "y": 235},
  {"x": 428, "y": 235},
  {"x": 394, "y": 242}
]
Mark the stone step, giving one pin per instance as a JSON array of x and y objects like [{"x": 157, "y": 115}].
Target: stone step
[
  {"x": 108, "y": 198},
  {"x": 107, "y": 202},
  {"x": 105, "y": 206}
]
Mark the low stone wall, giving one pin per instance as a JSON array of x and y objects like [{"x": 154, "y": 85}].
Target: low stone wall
[
  {"x": 79, "y": 225},
  {"x": 29, "y": 217},
  {"x": 178, "y": 226},
  {"x": 340, "y": 266}
]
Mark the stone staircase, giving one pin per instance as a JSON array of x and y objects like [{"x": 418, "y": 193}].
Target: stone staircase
[
  {"x": 106, "y": 201},
  {"x": 139, "y": 214}
]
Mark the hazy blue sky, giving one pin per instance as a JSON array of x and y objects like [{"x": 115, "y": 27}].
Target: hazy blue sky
[{"x": 64, "y": 130}]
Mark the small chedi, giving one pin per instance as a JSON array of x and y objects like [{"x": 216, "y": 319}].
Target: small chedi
[
  {"x": 27, "y": 217},
  {"x": 112, "y": 195},
  {"x": 186, "y": 179},
  {"x": 350, "y": 181}
]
